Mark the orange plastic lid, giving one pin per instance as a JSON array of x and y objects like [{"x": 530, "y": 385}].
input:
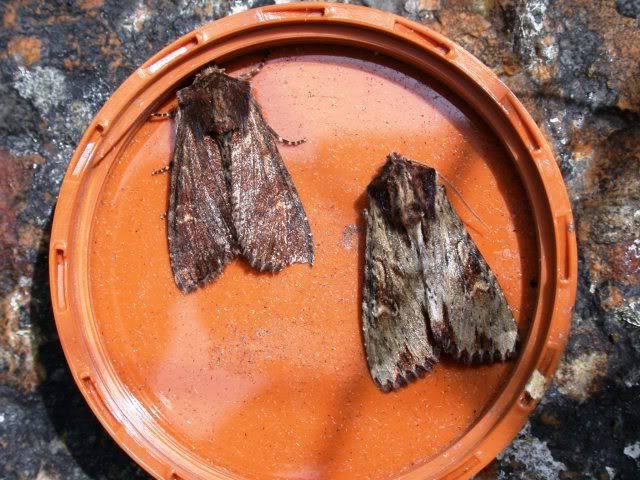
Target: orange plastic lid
[{"x": 261, "y": 376}]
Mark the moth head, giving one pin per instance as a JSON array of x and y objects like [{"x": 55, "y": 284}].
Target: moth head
[
  {"x": 220, "y": 102},
  {"x": 406, "y": 189}
]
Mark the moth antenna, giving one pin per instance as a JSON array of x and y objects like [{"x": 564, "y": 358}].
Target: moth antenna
[
  {"x": 255, "y": 70},
  {"x": 164, "y": 169},
  {"x": 284, "y": 141},
  {"x": 457, "y": 192}
]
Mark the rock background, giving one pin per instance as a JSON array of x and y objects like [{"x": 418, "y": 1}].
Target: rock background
[{"x": 574, "y": 64}]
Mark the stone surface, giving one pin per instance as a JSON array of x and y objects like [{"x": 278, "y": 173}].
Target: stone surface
[{"x": 575, "y": 65}]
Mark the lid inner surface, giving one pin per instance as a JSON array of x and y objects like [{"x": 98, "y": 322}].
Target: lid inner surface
[{"x": 265, "y": 375}]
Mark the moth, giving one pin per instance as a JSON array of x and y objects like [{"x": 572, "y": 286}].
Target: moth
[
  {"x": 230, "y": 192},
  {"x": 427, "y": 289}
]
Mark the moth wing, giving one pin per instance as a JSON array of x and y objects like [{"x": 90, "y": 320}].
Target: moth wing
[
  {"x": 394, "y": 322},
  {"x": 469, "y": 315},
  {"x": 271, "y": 225},
  {"x": 199, "y": 226}
]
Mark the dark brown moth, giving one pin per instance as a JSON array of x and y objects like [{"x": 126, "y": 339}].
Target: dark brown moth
[
  {"x": 230, "y": 192},
  {"x": 427, "y": 288}
]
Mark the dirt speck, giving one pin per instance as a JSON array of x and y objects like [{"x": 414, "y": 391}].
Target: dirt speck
[{"x": 350, "y": 236}]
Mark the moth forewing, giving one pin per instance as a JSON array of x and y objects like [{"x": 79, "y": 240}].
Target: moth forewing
[
  {"x": 271, "y": 224},
  {"x": 469, "y": 315},
  {"x": 200, "y": 231},
  {"x": 397, "y": 342}
]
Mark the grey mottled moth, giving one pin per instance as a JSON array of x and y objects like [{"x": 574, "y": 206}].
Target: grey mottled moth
[
  {"x": 230, "y": 192},
  {"x": 427, "y": 288}
]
